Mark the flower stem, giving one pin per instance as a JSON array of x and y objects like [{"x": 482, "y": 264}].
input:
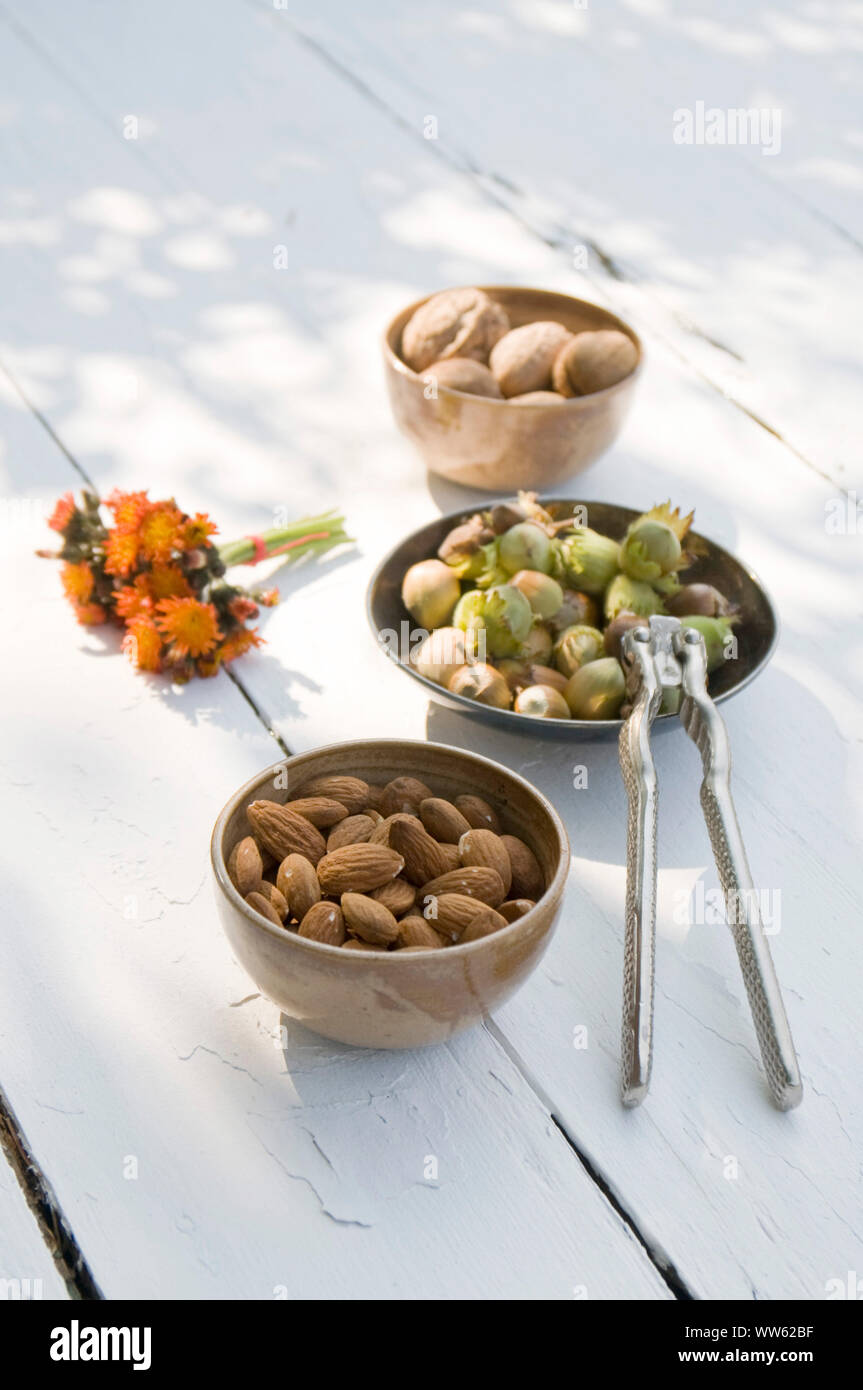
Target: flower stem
[{"x": 309, "y": 535}]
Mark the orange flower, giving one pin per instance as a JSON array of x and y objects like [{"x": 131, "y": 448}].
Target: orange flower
[
  {"x": 167, "y": 581},
  {"x": 269, "y": 598},
  {"x": 135, "y": 600},
  {"x": 129, "y": 508},
  {"x": 90, "y": 614},
  {"x": 158, "y": 533},
  {"x": 196, "y": 530},
  {"x": 239, "y": 643},
  {"x": 62, "y": 513},
  {"x": 78, "y": 582},
  {"x": 121, "y": 552},
  {"x": 191, "y": 627},
  {"x": 143, "y": 645}
]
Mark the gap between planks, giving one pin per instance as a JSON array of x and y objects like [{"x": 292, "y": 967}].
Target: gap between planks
[
  {"x": 661, "y": 1262},
  {"x": 53, "y": 1225}
]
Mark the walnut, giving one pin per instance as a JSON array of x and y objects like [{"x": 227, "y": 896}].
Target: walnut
[
  {"x": 593, "y": 362},
  {"x": 522, "y": 360},
  {"x": 454, "y": 323},
  {"x": 464, "y": 374},
  {"x": 538, "y": 398}
]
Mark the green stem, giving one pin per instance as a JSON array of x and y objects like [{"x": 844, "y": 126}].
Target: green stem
[{"x": 323, "y": 532}]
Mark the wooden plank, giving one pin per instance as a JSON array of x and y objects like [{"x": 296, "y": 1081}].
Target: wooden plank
[
  {"x": 783, "y": 1225},
  {"x": 195, "y": 1149}
]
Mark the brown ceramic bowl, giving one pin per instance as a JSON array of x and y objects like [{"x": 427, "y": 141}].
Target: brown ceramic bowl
[
  {"x": 494, "y": 444},
  {"x": 395, "y": 999}
]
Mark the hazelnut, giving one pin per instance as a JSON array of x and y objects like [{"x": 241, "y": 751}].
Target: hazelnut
[
  {"x": 464, "y": 374},
  {"x": 538, "y": 398},
  {"x": 593, "y": 362},
  {"x": 523, "y": 358},
  {"x": 454, "y": 323}
]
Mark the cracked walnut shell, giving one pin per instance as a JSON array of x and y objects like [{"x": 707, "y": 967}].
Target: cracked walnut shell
[{"x": 454, "y": 323}]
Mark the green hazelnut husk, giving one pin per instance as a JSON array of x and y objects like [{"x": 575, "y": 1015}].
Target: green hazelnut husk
[
  {"x": 588, "y": 560},
  {"x": 543, "y": 593},
  {"x": 577, "y": 646},
  {"x": 718, "y": 637},
  {"x": 650, "y": 549},
  {"x": 596, "y": 690},
  {"x": 625, "y": 594},
  {"x": 525, "y": 546},
  {"x": 501, "y": 613}
]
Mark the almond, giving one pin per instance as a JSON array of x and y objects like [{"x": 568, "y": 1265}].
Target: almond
[
  {"x": 483, "y": 924},
  {"x": 403, "y": 794},
  {"x": 352, "y": 944},
  {"x": 274, "y": 897},
  {"x": 475, "y": 881},
  {"x": 298, "y": 883},
  {"x": 375, "y": 794},
  {"x": 484, "y": 847},
  {"x": 414, "y": 931},
  {"x": 324, "y": 922},
  {"x": 245, "y": 865},
  {"x": 259, "y": 904},
  {"x": 443, "y": 820},
  {"x": 451, "y": 913},
  {"x": 381, "y": 833},
  {"x": 399, "y": 896},
  {"x": 358, "y": 868},
  {"x": 369, "y": 920},
  {"x": 352, "y": 792},
  {"x": 283, "y": 832},
  {"x": 527, "y": 879},
  {"x": 478, "y": 813},
  {"x": 354, "y": 830},
  {"x": 405, "y": 950},
  {"x": 450, "y": 857},
  {"x": 515, "y": 908},
  {"x": 322, "y": 811},
  {"x": 422, "y": 856}
]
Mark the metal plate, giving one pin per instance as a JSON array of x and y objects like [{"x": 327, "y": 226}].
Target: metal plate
[{"x": 756, "y": 633}]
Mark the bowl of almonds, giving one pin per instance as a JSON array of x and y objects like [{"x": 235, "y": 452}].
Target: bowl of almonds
[
  {"x": 388, "y": 893},
  {"x": 502, "y": 387}
]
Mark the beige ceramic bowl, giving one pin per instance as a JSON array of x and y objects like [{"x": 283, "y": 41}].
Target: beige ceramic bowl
[
  {"x": 394, "y": 1000},
  {"x": 494, "y": 444}
]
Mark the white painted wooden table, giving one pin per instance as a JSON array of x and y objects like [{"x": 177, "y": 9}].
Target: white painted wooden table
[{"x": 155, "y": 160}]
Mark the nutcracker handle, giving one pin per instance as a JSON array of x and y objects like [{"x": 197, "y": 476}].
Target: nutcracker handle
[{"x": 706, "y": 728}]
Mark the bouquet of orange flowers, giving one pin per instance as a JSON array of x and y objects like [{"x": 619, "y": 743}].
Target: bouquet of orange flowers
[{"x": 157, "y": 573}]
